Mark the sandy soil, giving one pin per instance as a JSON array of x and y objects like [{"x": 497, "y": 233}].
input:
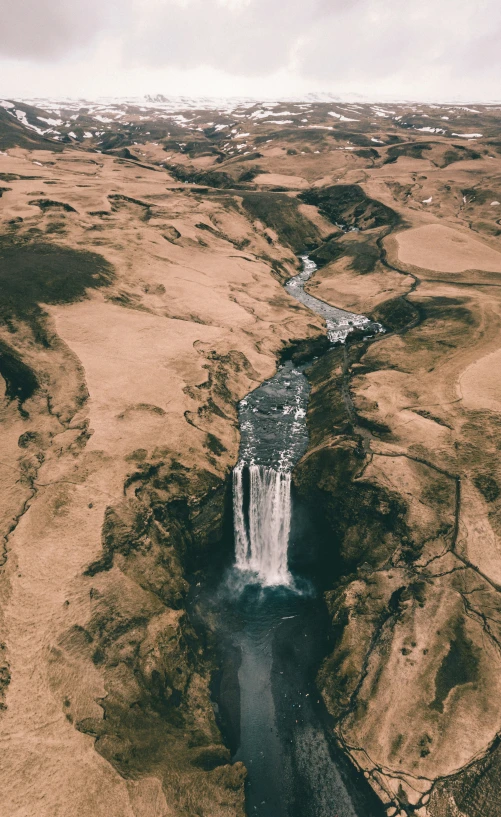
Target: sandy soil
[
  {"x": 281, "y": 180},
  {"x": 479, "y": 384},
  {"x": 437, "y": 247}
]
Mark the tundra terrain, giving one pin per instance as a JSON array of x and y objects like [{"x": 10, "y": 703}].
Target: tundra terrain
[{"x": 143, "y": 250}]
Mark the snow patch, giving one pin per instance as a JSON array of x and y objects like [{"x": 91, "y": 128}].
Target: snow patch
[
  {"x": 428, "y": 129},
  {"x": 21, "y": 115},
  {"x": 342, "y": 118},
  {"x": 469, "y": 135},
  {"x": 50, "y": 121}
]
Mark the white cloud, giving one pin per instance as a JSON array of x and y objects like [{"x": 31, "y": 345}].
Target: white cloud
[
  {"x": 50, "y": 29},
  {"x": 379, "y": 48}
]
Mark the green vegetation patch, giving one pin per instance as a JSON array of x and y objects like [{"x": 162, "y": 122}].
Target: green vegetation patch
[
  {"x": 479, "y": 195},
  {"x": 364, "y": 254},
  {"x": 395, "y": 314},
  {"x": 440, "y": 310},
  {"x": 487, "y": 486},
  {"x": 459, "y": 667},
  {"x": 37, "y": 273},
  {"x": 413, "y": 151},
  {"x": 20, "y": 380},
  {"x": 49, "y": 204},
  {"x": 367, "y": 153},
  {"x": 349, "y": 205},
  {"x": 281, "y": 213},
  {"x": 459, "y": 153},
  {"x": 15, "y": 177},
  {"x": 210, "y": 178}
]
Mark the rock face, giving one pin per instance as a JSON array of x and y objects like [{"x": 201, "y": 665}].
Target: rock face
[
  {"x": 158, "y": 718},
  {"x": 407, "y": 493},
  {"x": 131, "y": 324}
]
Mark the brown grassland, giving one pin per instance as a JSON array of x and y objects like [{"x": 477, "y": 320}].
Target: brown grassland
[{"x": 141, "y": 296}]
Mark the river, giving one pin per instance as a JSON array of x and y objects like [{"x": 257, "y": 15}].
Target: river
[{"x": 271, "y": 621}]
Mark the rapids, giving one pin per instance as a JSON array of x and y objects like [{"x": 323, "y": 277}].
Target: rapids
[{"x": 272, "y": 625}]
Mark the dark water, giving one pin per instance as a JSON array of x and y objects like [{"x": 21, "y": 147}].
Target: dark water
[
  {"x": 274, "y": 635},
  {"x": 273, "y": 641}
]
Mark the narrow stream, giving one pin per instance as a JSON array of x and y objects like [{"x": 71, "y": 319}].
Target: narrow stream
[{"x": 271, "y": 622}]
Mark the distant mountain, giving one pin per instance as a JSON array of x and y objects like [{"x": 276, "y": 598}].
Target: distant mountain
[{"x": 17, "y": 128}]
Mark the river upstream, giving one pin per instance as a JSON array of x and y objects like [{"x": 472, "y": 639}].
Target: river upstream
[{"x": 271, "y": 621}]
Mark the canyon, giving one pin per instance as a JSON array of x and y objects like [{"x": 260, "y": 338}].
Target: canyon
[{"x": 148, "y": 267}]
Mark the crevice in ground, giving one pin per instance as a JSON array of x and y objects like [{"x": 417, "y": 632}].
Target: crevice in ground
[{"x": 365, "y": 440}]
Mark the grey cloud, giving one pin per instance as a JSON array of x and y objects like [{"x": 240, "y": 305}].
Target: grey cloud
[
  {"x": 49, "y": 29},
  {"x": 483, "y": 52},
  {"x": 351, "y": 49},
  {"x": 253, "y": 39},
  {"x": 326, "y": 40},
  {"x": 405, "y": 40}
]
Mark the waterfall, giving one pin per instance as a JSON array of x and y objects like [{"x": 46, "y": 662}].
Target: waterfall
[
  {"x": 240, "y": 529},
  {"x": 274, "y": 437},
  {"x": 262, "y": 535}
]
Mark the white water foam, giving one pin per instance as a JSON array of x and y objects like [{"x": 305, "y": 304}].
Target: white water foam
[
  {"x": 262, "y": 542},
  {"x": 339, "y": 322},
  {"x": 272, "y": 423}
]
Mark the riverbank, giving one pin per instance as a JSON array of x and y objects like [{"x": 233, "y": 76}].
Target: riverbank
[
  {"x": 119, "y": 428},
  {"x": 269, "y": 619},
  {"x": 391, "y": 479}
]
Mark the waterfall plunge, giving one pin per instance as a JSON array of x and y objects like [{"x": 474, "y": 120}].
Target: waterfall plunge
[
  {"x": 262, "y": 539},
  {"x": 273, "y": 433}
]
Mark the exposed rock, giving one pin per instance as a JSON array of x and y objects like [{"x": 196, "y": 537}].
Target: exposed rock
[
  {"x": 414, "y": 674},
  {"x": 136, "y": 311}
]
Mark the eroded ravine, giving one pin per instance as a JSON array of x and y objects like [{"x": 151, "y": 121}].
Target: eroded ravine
[{"x": 271, "y": 620}]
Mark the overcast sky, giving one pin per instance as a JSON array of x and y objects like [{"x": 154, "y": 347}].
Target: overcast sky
[{"x": 428, "y": 49}]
